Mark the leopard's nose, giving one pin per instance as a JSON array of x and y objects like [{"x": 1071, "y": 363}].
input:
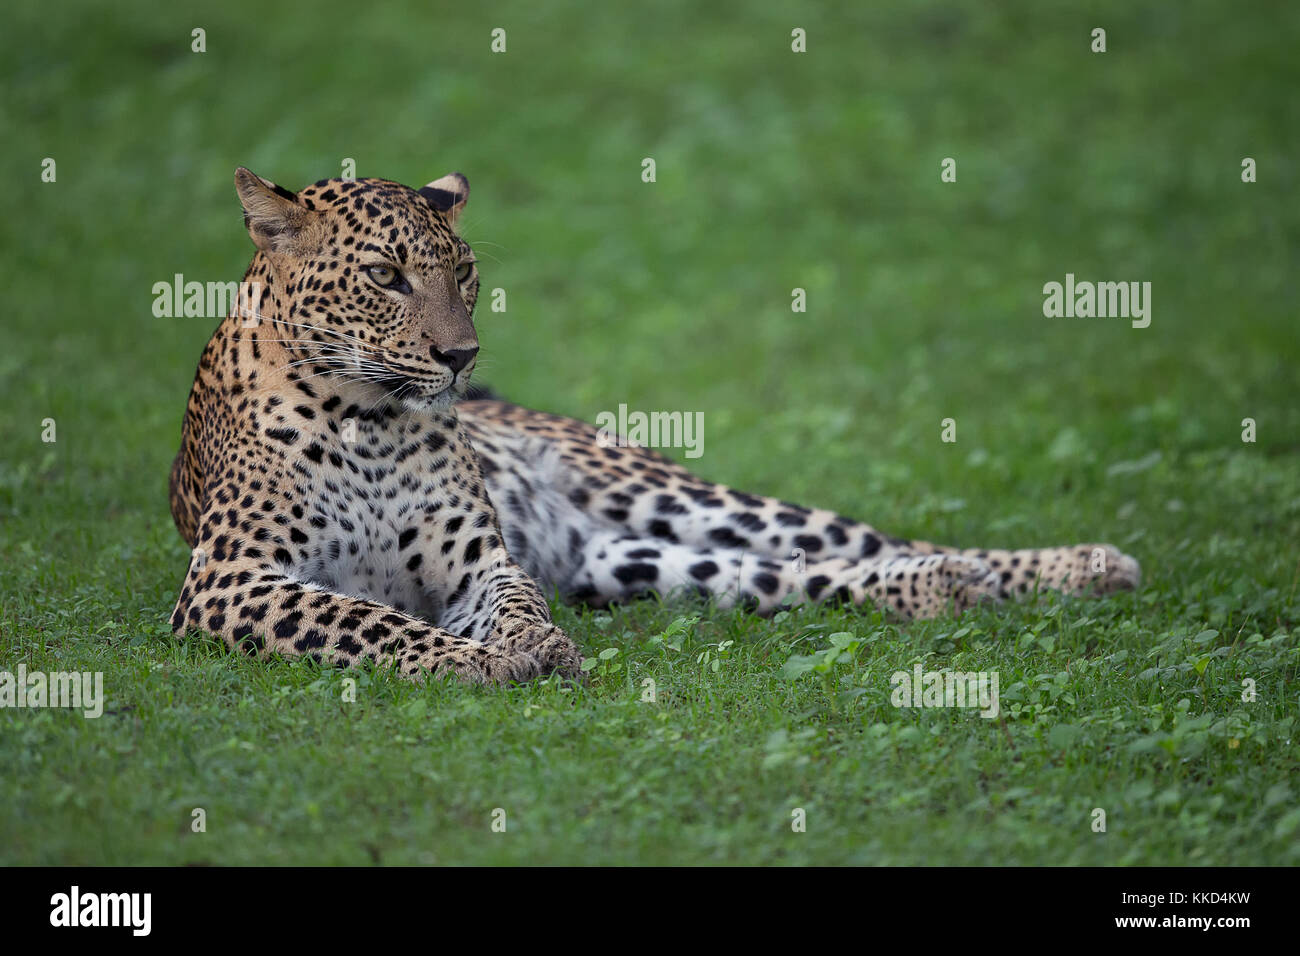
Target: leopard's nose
[{"x": 454, "y": 359}]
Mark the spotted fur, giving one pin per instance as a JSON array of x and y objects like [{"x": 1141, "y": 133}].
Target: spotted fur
[{"x": 341, "y": 505}]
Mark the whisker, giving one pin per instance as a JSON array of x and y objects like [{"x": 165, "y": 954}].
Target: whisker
[
  {"x": 320, "y": 328},
  {"x": 341, "y": 362},
  {"x": 347, "y": 375},
  {"x": 315, "y": 328},
  {"x": 337, "y": 357}
]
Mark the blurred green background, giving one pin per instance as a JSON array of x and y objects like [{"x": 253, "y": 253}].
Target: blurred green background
[{"x": 775, "y": 170}]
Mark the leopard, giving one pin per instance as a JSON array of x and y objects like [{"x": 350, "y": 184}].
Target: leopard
[{"x": 348, "y": 495}]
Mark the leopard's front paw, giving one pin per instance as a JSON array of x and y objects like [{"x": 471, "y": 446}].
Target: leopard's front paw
[{"x": 546, "y": 650}]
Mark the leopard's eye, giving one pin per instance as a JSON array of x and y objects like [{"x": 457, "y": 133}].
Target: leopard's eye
[
  {"x": 382, "y": 275},
  {"x": 463, "y": 269}
]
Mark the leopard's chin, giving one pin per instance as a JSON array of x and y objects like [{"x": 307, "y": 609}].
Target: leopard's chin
[
  {"x": 431, "y": 402},
  {"x": 412, "y": 393}
]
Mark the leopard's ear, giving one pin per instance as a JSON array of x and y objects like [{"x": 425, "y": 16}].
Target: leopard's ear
[
  {"x": 448, "y": 195},
  {"x": 275, "y": 218}
]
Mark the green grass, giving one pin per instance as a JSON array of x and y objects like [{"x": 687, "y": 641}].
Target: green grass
[{"x": 774, "y": 171}]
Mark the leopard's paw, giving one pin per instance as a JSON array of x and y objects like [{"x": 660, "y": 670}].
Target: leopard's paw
[{"x": 549, "y": 650}]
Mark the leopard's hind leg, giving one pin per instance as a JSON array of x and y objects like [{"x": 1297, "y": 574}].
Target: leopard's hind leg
[
  {"x": 614, "y": 567},
  {"x": 565, "y": 498}
]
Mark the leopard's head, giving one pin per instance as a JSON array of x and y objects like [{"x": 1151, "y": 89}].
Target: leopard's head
[{"x": 367, "y": 281}]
